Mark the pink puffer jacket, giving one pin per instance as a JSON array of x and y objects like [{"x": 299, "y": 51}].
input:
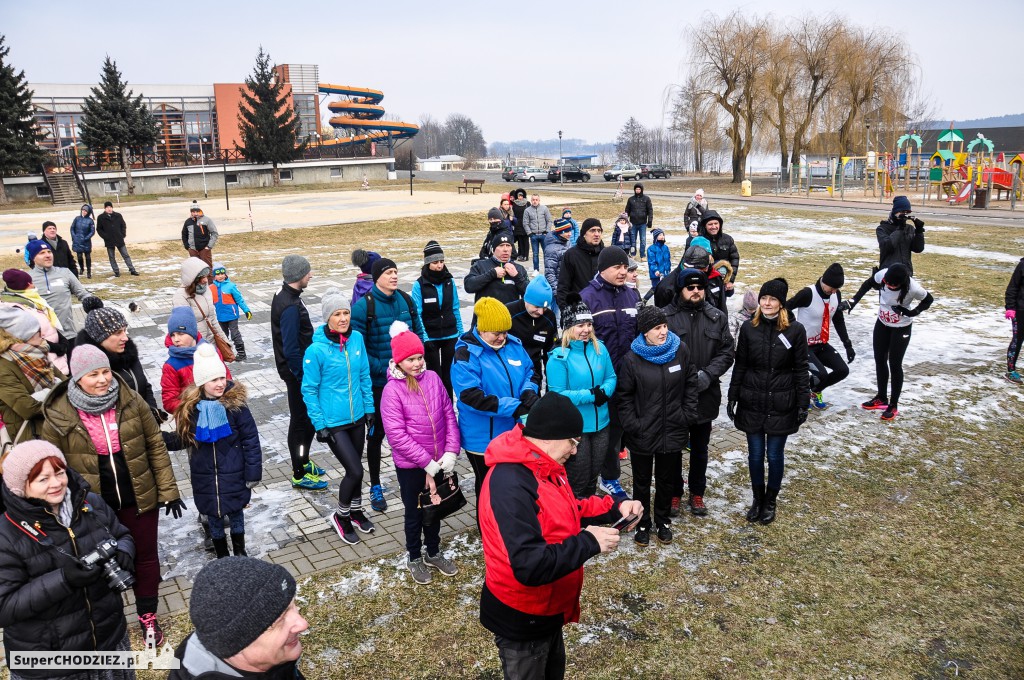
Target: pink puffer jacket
[{"x": 420, "y": 426}]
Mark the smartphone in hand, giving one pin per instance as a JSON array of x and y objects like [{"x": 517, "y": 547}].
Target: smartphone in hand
[{"x": 625, "y": 522}]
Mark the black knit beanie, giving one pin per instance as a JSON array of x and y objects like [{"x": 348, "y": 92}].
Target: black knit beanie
[
  {"x": 589, "y": 224},
  {"x": 611, "y": 257},
  {"x": 648, "y": 317},
  {"x": 553, "y": 417},
  {"x": 834, "y": 276},
  {"x": 381, "y": 266},
  {"x": 432, "y": 252},
  {"x": 777, "y": 288}
]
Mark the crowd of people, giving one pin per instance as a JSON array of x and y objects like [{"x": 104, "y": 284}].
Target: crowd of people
[{"x": 551, "y": 384}]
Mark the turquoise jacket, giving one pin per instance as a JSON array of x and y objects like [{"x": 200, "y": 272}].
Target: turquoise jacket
[
  {"x": 336, "y": 384},
  {"x": 574, "y": 370}
]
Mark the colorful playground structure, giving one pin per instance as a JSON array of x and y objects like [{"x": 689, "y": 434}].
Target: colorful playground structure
[
  {"x": 957, "y": 176},
  {"x": 359, "y": 114}
]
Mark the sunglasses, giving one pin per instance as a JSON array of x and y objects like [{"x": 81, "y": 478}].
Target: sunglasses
[{"x": 695, "y": 286}]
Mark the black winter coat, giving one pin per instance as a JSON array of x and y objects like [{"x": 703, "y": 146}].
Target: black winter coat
[
  {"x": 128, "y": 367},
  {"x": 704, "y": 329},
  {"x": 1015, "y": 289},
  {"x": 657, "y": 404},
  {"x": 716, "y": 293},
  {"x": 579, "y": 265},
  {"x": 770, "y": 380},
  {"x": 112, "y": 229},
  {"x": 62, "y": 255},
  {"x": 723, "y": 246},
  {"x": 897, "y": 240},
  {"x": 537, "y": 335},
  {"x": 482, "y": 281},
  {"x": 639, "y": 209},
  {"x": 39, "y": 611}
]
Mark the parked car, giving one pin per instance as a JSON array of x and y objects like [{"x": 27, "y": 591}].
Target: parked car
[
  {"x": 531, "y": 174},
  {"x": 509, "y": 173},
  {"x": 568, "y": 173},
  {"x": 653, "y": 170},
  {"x": 622, "y": 171}
]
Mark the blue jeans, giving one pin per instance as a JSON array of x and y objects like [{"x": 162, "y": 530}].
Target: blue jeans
[
  {"x": 775, "y": 445},
  {"x": 638, "y": 235},
  {"x": 237, "y": 524},
  {"x": 537, "y": 246}
]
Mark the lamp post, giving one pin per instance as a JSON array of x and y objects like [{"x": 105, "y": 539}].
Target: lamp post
[
  {"x": 202, "y": 161},
  {"x": 561, "y": 170}
]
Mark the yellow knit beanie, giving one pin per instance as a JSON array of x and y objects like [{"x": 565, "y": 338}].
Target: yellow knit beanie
[{"x": 491, "y": 315}]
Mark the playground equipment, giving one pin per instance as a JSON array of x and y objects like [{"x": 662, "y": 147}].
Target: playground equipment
[
  {"x": 905, "y": 157},
  {"x": 360, "y": 114}
]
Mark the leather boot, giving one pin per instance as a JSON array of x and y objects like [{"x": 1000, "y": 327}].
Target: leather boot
[
  {"x": 220, "y": 545},
  {"x": 240, "y": 351},
  {"x": 238, "y": 544},
  {"x": 768, "y": 509},
  {"x": 754, "y": 513}
]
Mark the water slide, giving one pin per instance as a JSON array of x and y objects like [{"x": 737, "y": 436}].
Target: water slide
[{"x": 359, "y": 113}]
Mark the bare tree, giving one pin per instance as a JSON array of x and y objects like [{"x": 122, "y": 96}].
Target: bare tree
[
  {"x": 873, "y": 63},
  {"x": 816, "y": 51},
  {"x": 463, "y": 137},
  {"x": 695, "y": 117},
  {"x": 629, "y": 145}
]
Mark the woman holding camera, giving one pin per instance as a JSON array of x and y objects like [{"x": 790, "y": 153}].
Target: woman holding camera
[
  {"x": 111, "y": 438},
  {"x": 50, "y": 600}
]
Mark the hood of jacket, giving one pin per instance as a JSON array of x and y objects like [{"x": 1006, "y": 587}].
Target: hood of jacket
[
  {"x": 708, "y": 216},
  {"x": 7, "y": 340},
  {"x": 640, "y": 186},
  {"x": 513, "y": 447},
  {"x": 190, "y": 269}
]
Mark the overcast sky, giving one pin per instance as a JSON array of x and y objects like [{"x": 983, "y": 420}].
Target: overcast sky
[{"x": 521, "y": 70}]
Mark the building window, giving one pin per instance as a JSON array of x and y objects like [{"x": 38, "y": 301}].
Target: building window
[
  {"x": 231, "y": 178},
  {"x": 43, "y": 192},
  {"x": 286, "y": 175},
  {"x": 173, "y": 182},
  {"x": 337, "y": 172},
  {"x": 112, "y": 187}
]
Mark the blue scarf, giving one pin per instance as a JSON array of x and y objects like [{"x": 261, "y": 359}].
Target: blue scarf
[
  {"x": 184, "y": 352},
  {"x": 656, "y": 354},
  {"x": 212, "y": 423}
]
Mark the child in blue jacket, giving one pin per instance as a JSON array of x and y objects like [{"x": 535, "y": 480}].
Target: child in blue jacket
[
  {"x": 229, "y": 302},
  {"x": 659, "y": 260}
]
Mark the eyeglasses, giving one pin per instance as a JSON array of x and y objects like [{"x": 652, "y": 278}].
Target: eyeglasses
[
  {"x": 575, "y": 441},
  {"x": 695, "y": 286}
]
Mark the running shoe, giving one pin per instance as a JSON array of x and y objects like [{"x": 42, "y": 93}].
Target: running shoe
[
  {"x": 312, "y": 468},
  {"x": 818, "y": 402},
  {"x": 377, "y": 501},
  {"x": 441, "y": 563},
  {"x": 1014, "y": 377},
  {"x": 343, "y": 525},
  {"x": 361, "y": 521},
  {"x": 309, "y": 482},
  {"x": 875, "y": 404},
  {"x": 149, "y": 623},
  {"x": 890, "y": 413}
]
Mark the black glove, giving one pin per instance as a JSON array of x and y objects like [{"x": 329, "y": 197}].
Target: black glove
[
  {"x": 846, "y": 306},
  {"x": 529, "y": 398},
  {"x": 850, "y": 354},
  {"x": 78, "y": 575},
  {"x": 161, "y": 415},
  {"x": 125, "y": 561},
  {"x": 801, "y": 416},
  {"x": 175, "y": 508},
  {"x": 600, "y": 398},
  {"x": 323, "y": 435},
  {"x": 918, "y": 224},
  {"x": 371, "y": 419},
  {"x": 900, "y": 309},
  {"x": 730, "y": 410},
  {"x": 520, "y": 411},
  {"x": 703, "y": 381}
]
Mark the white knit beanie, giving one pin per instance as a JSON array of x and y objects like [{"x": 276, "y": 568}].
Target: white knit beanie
[{"x": 208, "y": 365}]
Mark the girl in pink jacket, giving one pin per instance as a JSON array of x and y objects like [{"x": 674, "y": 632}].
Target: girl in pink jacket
[{"x": 423, "y": 432}]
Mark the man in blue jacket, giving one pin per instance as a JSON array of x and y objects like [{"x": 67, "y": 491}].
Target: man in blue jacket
[
  {"x": 613, "y": 305},
  {"x": 372, "y": 316}
]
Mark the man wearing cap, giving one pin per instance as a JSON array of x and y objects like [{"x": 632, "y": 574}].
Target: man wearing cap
[
  {"x": 537, "y": 536},
  {"x": 62, "y": 255},
  {"x": 497, "y": 276},
  {"x": 112, "y": 229},
  {"x": 199, "y": 235},
  {"x": 613, "y": 305},
  {"x": 247, "y": 623},
  {"x": 537, "y": 222},
  {"x": 533, "y": 322},
  {"x": 55, "y": 284},
  {"x": 819, "y": 308},
  {"x": 704, "y": 329},
  {"x": 292, "y": 332},
  {"x": 579, "y": 264},
  {"x": 372, "y": 316},
  {"x": 899, "y": 235}
]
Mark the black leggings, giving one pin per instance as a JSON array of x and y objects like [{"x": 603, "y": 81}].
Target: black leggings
[
  {"x": 1013, "y": 351},
  {"x": 439, "y": 355},
  {"x": 347, "y": 446},
  {"x": 829, "y": 366},
  {"x": 87, "y": 267},
  {"x": 375, "y": 439},
  {"x": 300, "y": 429},
  {"x": 890, "y": 344},
  {"x": 476, "y": 461}
]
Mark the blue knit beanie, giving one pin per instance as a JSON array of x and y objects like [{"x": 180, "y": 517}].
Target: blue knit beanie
[
  {"x": 538, "y": 293},
  {"x": 900, "y": 204},
  {"x": 655, "y": 234},
  {"x": 182, "y": 320},
  {"x": 702, "y": 242}
]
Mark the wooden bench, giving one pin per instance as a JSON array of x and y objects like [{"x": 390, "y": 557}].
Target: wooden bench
[{"x": 475, "y": 184}]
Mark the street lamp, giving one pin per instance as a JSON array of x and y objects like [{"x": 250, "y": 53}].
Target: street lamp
[
  {"x": 202, "y": 161},
  {"x": 561, "y": 170}
]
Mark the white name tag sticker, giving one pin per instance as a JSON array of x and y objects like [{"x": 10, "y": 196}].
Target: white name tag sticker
[
  {"x": 539, "y": 338},
  {"x": 57, "y": 283},
  {"x": 508, "y": 282},
  {"x": 430, "y": 299},
  {"x": 782, "y": 339},
  {"x": 112, "y": 426},
  {"x": 630, "y": 311},
  {"x": 515, "y": 362},
  {"x": 673, "y": 369}
]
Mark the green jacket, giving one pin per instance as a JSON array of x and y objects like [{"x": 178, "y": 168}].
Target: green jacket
[{"x": 16, "y": 402}]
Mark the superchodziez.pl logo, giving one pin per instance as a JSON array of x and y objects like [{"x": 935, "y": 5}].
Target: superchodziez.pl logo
[{"x": 151, "y": 658}]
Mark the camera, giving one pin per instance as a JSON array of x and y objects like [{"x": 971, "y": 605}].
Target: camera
[{"x": 118, "y": 579}]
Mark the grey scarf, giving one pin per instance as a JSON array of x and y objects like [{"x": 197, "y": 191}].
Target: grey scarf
[{"x": 92, "y": 404}]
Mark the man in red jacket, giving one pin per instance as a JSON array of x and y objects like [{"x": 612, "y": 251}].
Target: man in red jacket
[{"x": 536, "y": 536}]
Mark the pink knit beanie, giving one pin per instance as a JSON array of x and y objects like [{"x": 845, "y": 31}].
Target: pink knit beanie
[{"x": 22, "y": 459}]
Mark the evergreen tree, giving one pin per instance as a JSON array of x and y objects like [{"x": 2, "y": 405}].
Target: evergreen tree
[
  {"x": 18, "y": 133},
  {"x": 267, "y": 122},
  {"x": 116, "y": 122}
]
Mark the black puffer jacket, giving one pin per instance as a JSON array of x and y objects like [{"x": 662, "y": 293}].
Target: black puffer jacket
[
  {"x": 770, "y": 380},
  {"x": 723, "y": 246},
  {"x": 1015, "y": 289},
  {"x": 39, "y": 611},
  {"x": 704, "y": 329},
  {"x": 579, "y": 264},
  {"x": 897, "y": 240},
  {"x": 657, "y": 404},
  {"x": 482, "y": 281},
  {"x": 128, "y": 367}
]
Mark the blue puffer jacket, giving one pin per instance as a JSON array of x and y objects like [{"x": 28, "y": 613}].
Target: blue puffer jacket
[
  {"x": 614, "y": 310},
  {"x": 386, "y": 310},
  {"x": 490, "y": 386},
  {"x": 336, "y": 384},
  {"x": 554, "y": 248},
  {"x": 658, "y": 259},
  {"x": 82, "y": 231},
  {"x": 220, "y": 469},
  {"x": 574, "y": 370}
]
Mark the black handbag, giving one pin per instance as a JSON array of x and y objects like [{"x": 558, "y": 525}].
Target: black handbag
[{"x": 452, "y": 499}]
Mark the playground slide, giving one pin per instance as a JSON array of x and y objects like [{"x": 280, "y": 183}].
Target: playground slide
[
  {"x": 360, "y": 114},
  {"x": 964, "y": 193}
]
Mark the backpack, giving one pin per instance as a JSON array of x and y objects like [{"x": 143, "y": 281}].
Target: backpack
[{"x": 371, "y": 309}]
